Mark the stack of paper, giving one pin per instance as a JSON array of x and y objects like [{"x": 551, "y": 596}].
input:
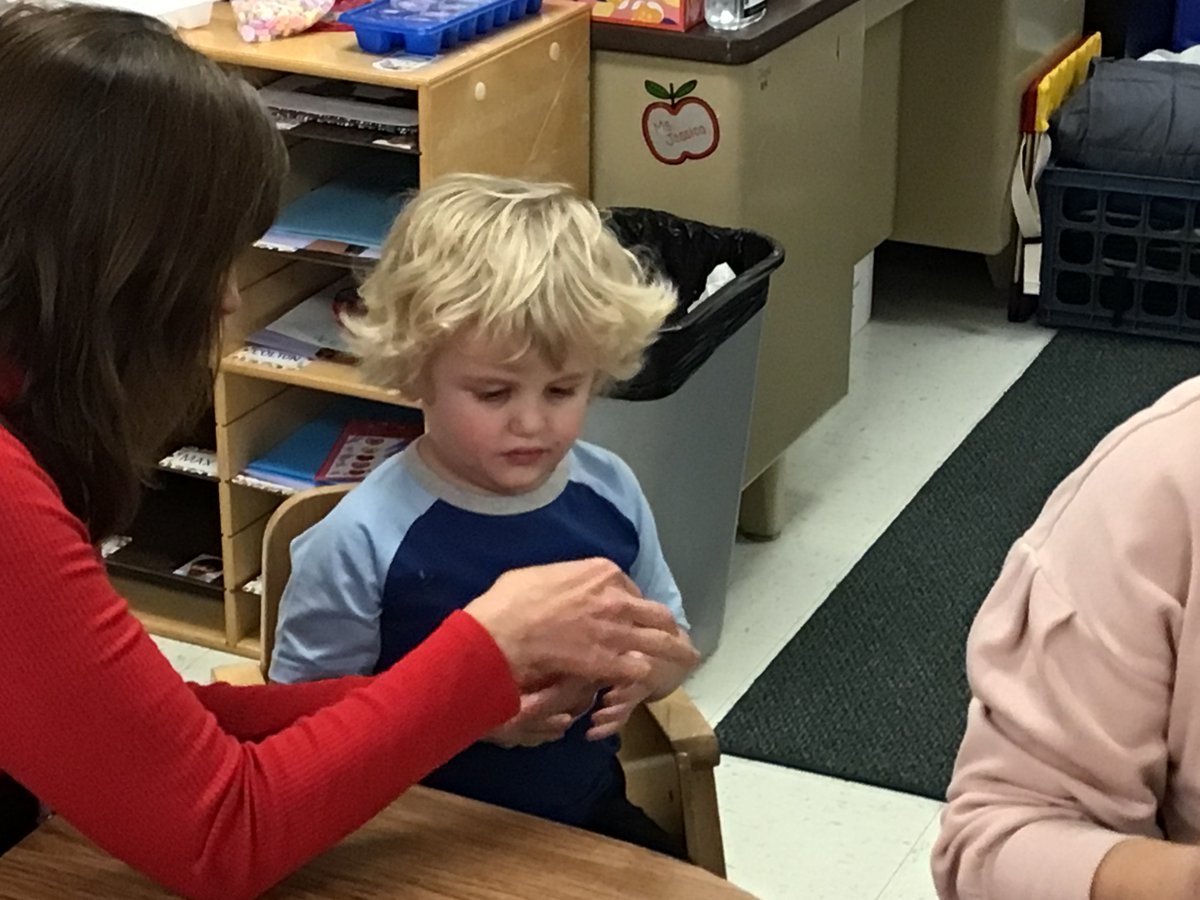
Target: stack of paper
[
  {"x": 313, "y": 329},
  {"x": 305, "y": 98},
  {"x": 349, "y": 215}
]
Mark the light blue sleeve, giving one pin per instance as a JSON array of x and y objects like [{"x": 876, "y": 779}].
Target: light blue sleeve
[
  {"x": 612, "y": 476},
  {"x": 650, "y": 571},
  {"x": 329, "y": 612}
]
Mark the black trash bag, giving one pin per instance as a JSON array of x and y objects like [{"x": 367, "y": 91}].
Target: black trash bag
[{"x": 686, "y": 252}]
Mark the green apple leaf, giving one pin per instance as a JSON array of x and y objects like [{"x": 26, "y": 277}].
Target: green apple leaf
[{"x": 657, "y": 90}]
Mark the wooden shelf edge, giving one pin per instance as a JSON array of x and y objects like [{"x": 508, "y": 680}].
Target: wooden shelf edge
[
  {"x": 332, "y": 378},
  {"x": 179, "y": 630},
  {"x": 250, "y": 647}
]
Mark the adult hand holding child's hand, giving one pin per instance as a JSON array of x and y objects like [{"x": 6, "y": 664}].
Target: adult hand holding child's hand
[
  {"x": 546, "y": 713},
  {"x": 583, "y": 618},
  {"x": 615, "y": 709}
]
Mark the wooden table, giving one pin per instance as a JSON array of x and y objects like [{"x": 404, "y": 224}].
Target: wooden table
[{"x": 424, "y": 846}]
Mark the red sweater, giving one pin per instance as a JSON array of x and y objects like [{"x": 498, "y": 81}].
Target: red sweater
[{"x": 214, "y": 791}]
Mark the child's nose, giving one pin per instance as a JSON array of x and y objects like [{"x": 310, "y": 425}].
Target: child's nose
[{"x": 528, "y": 419}]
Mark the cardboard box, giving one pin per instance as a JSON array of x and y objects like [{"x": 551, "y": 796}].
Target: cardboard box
[{"x": 666, "y": 15}]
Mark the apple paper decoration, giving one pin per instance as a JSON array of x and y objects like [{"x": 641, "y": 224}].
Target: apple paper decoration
[{"x": 677, "y": 126}]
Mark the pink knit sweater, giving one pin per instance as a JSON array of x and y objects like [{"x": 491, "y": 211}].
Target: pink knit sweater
[{"x": 1084, "y": 663}]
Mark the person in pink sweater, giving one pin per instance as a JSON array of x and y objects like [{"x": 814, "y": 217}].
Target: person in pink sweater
[{"x": 1079, "y": 774}]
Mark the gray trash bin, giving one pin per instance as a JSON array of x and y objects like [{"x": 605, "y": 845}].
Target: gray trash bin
[{"x": 683, "y": 422}]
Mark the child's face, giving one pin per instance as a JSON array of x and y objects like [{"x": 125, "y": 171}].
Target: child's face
[{"x": 499, "y": 425}]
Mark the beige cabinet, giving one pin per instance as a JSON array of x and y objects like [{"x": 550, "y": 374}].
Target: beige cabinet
[{"x": 841, "y": 125}]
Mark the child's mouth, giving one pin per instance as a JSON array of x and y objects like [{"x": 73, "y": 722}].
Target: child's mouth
[{"x": 524, "y": 457}]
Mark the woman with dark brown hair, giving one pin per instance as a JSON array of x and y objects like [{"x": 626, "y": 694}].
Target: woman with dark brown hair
[{"x": 132, "y": 172}]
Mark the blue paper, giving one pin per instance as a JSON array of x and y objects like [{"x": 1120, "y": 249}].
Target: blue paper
[
  {"x": 357, "y": 208},
  {"x": 296, "y": 459}
]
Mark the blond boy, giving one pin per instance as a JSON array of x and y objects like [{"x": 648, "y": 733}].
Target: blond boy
[{"x": 502, "y": 306}]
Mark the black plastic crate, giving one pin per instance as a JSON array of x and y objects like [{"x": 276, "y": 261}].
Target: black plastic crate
[{"x": 1120, "y": 253}]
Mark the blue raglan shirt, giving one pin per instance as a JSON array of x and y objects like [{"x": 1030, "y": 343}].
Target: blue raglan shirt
[{"x": 401, "y": 552}]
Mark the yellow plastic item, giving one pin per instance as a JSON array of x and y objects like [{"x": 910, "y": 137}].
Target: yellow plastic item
[{"x": 1062, "y": 80}]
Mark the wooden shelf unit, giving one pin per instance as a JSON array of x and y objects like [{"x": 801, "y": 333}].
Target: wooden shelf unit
[{"x": 513, "y": 103}]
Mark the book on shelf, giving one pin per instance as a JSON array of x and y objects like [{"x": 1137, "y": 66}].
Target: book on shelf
[
  {"x": 300, "y": 99},
  {"x": 313, "y": 329},
  {"x": 272, "y": 359},
  {"x": 206, "y": 568},
  {"x": 344, "y": 444},
  {"x": 111, "y": 545},
  {"x": 191, "y": 461},
  {"x": 349, "y": 215},
  {"x": 286, "y": 242}
]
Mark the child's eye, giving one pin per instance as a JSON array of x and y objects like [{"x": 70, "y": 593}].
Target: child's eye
[
  {"x": 496, "y": 396},
  {"x": 560, "y": 393}
]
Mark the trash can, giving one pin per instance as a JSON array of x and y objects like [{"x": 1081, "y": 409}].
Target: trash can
[{"x": 683, "y": 422}]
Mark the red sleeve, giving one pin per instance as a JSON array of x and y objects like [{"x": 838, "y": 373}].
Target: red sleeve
[
  {"x": 254, "y": 712},
  {"x": 101, "y": 728}
]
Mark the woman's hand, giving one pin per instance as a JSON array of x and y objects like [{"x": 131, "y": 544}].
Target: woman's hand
[
  {"x": 545, "y": 714},
  {"x": 583, "y": 619}
]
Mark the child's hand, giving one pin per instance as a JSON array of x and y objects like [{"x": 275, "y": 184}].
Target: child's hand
[
  {"x": 545, "y": 714},
  {"x": 616, "y": 708}
]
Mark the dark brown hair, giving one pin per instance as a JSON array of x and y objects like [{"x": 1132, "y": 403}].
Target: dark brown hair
[{"x": 132, "y": 172}]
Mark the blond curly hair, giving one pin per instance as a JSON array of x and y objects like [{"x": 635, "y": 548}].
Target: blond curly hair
[{"x": 529, "y": 266}]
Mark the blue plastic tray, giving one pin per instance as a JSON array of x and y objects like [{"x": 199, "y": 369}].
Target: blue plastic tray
[{"x": 427, "y": 27}]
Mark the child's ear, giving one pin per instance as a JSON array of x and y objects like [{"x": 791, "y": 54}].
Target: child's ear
[{"x": 421, "y": 389}]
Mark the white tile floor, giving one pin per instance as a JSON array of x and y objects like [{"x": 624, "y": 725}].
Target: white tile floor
[{"x": 936, "y": 356}]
